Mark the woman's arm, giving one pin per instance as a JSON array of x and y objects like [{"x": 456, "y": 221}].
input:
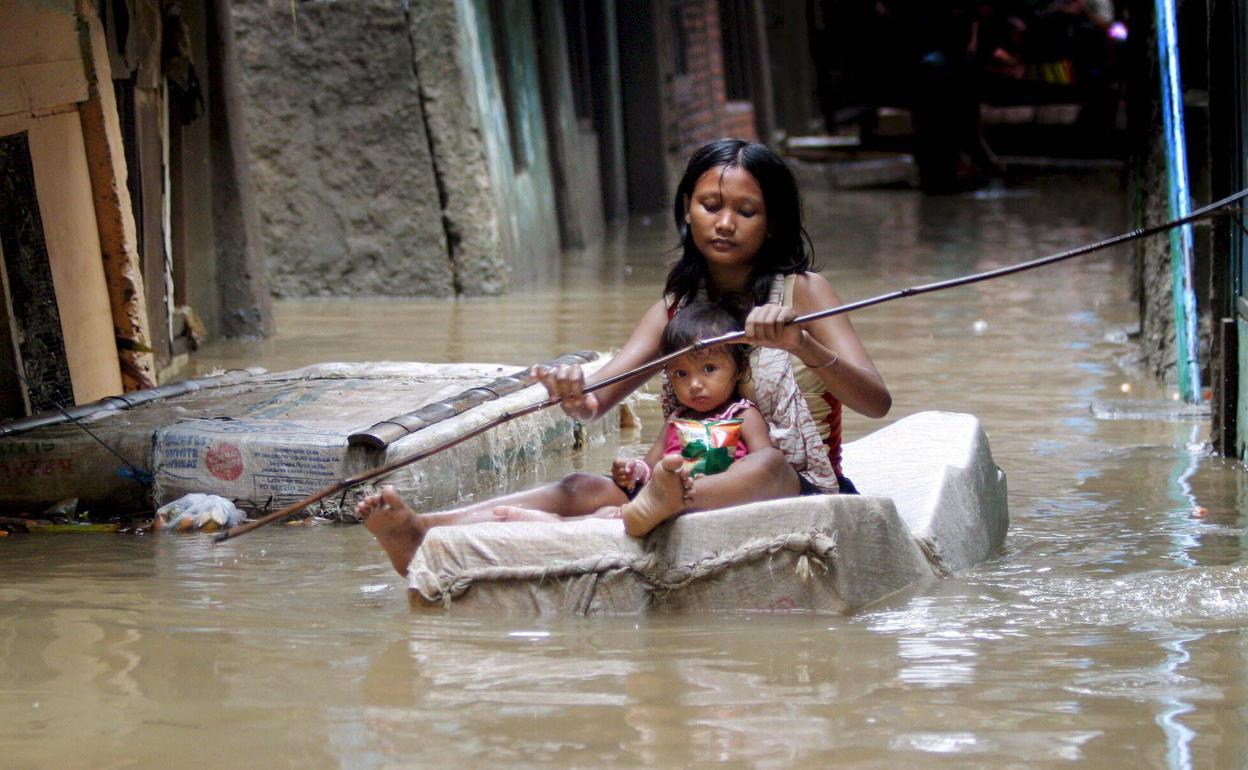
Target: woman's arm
[
  {"x": 568, "y": 381},
  {"x": 829, "y": 346}
]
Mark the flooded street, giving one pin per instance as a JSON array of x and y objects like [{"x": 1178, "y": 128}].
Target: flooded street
[{"x": 1110, "y": 631}]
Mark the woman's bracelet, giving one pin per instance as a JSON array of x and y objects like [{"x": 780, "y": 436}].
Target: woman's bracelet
[{"x": 833, "y": 362}]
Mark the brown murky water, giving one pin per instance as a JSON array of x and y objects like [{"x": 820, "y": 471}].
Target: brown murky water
[{"x": 1110, "y": 632}]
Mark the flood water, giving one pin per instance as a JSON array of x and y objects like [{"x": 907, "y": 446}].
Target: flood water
[{"x": 1109, "y": 633}]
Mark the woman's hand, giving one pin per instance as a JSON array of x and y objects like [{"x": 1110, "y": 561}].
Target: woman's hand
[
  {"x": 628, "y": 472},
  {"x": 765, "y": 327},
  {"x": 567, "y": 382}
]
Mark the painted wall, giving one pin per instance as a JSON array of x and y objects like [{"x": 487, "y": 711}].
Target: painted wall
[{"x": 518, "y": 156}]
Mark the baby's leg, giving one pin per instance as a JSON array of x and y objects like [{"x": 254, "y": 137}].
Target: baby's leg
[
  {"x": 579, "y": 494},
  {"x": 761, "y": 475},
  {"x": 397, "y": 528},
  {"x": 665, "y": 495}
]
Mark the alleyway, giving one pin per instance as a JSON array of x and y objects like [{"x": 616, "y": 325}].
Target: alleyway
[{"x": 1112, "y": 620}]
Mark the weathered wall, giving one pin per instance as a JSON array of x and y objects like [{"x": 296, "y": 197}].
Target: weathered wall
[
  {"x": 703, "y": 111},
  {"x": 518, "y": 155},
  {"x": 341, "y": 163},
  {"x": 573, "y": 143},
  {"x": 449, "y": 97},
  {"x": 193, "y": 189},
  {"x": 645, "y": 66}
]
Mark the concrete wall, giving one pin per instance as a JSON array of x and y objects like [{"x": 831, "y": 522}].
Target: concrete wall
[
  {"x": 448, "y": 87},
  {"x": 390, "y": 157},
  {"x": 518, "y": 156},
  {"x": 340, "y": 157},
  {"x": 573, "y": 143},
  {"x": 644, "y": 67}
]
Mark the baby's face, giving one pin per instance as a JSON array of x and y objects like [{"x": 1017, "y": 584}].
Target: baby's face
[{"x": 704, "y": 379}]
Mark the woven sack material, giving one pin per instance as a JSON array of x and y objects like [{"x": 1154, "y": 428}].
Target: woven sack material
[
  {"x": 582, "y": 567},
  {"x": 828, "y": 553},
  {"x": 934, "y": 502}
]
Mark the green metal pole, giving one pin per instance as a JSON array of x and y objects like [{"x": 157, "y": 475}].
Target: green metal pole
[{"x": 1187, "y": 357}]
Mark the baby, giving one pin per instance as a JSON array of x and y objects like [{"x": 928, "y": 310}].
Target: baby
[{"x": 709, "y": 426}]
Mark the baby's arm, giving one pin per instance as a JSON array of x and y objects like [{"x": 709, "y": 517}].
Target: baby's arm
[
  {"x": 659, "y": 447},
  {"x": 624, "y": 471},
  {"x": 754, "y": 429}
]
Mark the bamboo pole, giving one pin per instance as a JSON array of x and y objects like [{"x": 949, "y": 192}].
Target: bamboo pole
[{"x": 1205, "y": 212}]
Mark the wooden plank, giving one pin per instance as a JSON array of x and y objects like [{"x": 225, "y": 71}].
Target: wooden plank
[
  {"x": 30, "y": 289},
  {"x": 151, "y": 176},
  {"x": 13, "y": 124},
  {"x": 14, "y": 402},
  {"x": 12, "y": 93},
  {"x": 63, "y": 186},
  {"x": 53, "y": 84},
  {"x": 114, "y": 212},
  {"x": 37, "y": 32}
]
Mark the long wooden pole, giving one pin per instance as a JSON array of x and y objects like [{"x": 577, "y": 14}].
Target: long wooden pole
[{"x": 1205, "y": 212}]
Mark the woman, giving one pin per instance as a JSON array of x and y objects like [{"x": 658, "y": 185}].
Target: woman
[{"x": 743, "y": 245}]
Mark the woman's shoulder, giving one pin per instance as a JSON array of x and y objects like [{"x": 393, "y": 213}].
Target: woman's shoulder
[
  {"x": 659, "y": 312},
  {"x": 812, "y": 290}
]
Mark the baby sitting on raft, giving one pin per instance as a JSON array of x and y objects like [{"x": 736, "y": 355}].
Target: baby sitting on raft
[{"x": 710, "y": 428}]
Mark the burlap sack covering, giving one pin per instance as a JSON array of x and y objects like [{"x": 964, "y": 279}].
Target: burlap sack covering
[{"x": 945, "y": 509}]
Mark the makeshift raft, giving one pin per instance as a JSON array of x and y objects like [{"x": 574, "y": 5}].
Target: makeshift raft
[
  {"x": 269, "y": 439},
  {"x": 933, "y": 502}
]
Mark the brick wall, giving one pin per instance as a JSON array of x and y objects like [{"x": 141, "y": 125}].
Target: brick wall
[{"x": 702, "y": 111}]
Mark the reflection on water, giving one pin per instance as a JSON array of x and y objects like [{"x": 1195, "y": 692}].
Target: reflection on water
[{"x": 1111, "y": 627}]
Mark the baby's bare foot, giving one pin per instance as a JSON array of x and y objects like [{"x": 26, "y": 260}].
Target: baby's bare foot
[
  {"x": 397, "y": 528},
  {"x": 516, "y": 513},
  {"x": 664, "y": 496}
]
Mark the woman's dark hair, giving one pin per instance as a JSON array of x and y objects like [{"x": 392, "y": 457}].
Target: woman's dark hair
[
  {"x": 787, "y": 248},
  {"x": 700, "y": 320}
]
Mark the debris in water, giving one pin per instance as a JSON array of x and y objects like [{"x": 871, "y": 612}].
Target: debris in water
[
  {"x": 1125, "y": 387},
  {"x": 62, "y": 510},
  {"x": 980, "y": 326},
  {"x": 198, "y": 511}
]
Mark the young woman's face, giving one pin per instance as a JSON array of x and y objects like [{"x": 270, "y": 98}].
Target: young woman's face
[
  {"x": 704, "y": 379},
  {"x": 727, "y": 217}
]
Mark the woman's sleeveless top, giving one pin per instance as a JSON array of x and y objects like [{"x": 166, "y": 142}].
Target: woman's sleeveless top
[{"x": 803, "y": 419}]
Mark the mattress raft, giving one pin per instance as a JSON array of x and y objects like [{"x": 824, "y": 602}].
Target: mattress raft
[{"x": 933, "y": 502}]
